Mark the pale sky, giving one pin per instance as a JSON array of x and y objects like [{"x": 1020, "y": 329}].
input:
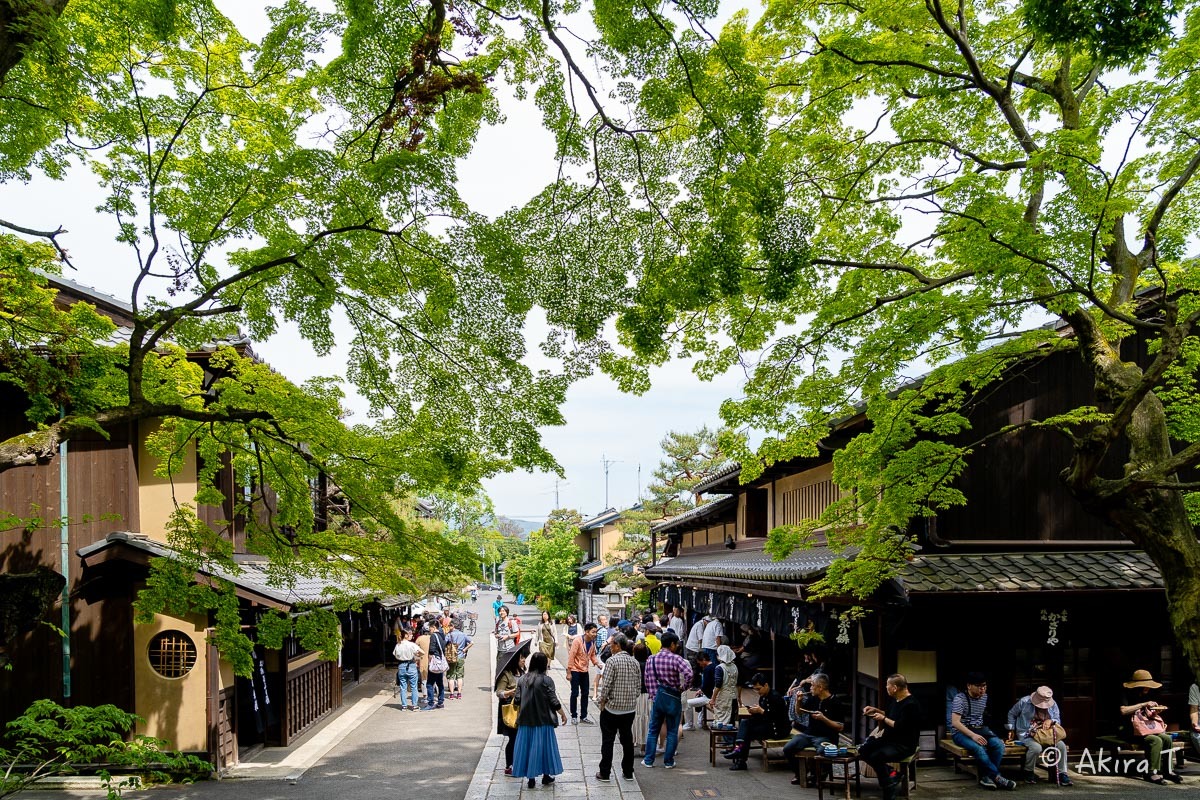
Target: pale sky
[{"x": 509, "y": 165}]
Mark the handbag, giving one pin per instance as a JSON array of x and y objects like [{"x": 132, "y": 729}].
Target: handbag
[
  {"x": 1148, "y": 723},
  {"x": 508, "y": 714},
  {"x": 1048, "y": 737},
  {"x": 438, "y": 663}
]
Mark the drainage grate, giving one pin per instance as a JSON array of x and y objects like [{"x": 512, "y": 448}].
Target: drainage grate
[{"x": 707, "y": 792}]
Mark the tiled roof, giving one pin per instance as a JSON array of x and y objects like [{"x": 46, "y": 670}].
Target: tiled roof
[
  {"x": 1093, "y": 571},
  {"x": 697, "y": 513},
  {"x": 600, "y": 520},
  {"x": 254, "y": 576},
  {"x": 1032, "y": 571},
  {"x": 747, "y": 562},
  {"x": 717, "y": 477}
]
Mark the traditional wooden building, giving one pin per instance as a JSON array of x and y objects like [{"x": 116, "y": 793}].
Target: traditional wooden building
[
  {"x": 1020, "y": 582},
  {"x": 114, "y": 511}
]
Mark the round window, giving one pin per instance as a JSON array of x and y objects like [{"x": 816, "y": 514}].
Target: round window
[{"x": 172, "y": 654}]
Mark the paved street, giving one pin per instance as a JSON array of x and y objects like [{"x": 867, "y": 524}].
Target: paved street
[{"x": 372, "y": 750}]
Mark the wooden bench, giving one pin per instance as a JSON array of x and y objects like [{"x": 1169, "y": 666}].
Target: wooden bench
[
  {"x": 1127, "y": 756},
  {"x": 964, "y": 761},
  {"x": 767, "y": 746}
]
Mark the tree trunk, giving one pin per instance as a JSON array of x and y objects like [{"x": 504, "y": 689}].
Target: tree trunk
[
  {"x": 23, "y": 22},
  {"x": 1156, "y": 520}
]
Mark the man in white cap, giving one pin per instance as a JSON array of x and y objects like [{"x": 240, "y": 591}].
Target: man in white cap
[
  {"x": 1038, "y": 717},
  {"x": 713, "y": 637}
]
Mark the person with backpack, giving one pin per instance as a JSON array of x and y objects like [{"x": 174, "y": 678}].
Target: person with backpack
[{"x": 457, "y": 645}]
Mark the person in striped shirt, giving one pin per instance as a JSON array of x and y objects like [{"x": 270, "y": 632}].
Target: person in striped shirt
[{"x": 668, "y": 675}]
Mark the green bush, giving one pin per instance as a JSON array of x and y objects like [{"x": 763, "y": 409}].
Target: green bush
[{"x": 49, "y": 740}]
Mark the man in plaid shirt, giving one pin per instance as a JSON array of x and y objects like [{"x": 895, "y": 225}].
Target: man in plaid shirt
[
  {"x": 620, "y": 686},
  {"x": 668, "y": 675}
]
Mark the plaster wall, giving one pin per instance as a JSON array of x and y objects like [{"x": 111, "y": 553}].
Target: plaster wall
[
  {"x": 174, "y": 709},
  {"x": 158, "y": 495}
]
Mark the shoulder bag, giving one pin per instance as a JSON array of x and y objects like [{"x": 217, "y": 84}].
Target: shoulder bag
[
  {"x": 509, "y": 713},
  {"x": 1048, "y": 737},
  {"x": 1148, "y": 723},
  {"x": 437, "y": 663}
]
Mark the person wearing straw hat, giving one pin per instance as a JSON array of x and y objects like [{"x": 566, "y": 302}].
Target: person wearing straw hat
[
  {"x": 1033, "y": 721},
  {"x": 1146, "y": 725}
]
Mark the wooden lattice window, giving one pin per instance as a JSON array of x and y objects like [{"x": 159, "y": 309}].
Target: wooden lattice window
[
  {"x": 172, "y": 654},
  {"x": 808, "y": 502}
]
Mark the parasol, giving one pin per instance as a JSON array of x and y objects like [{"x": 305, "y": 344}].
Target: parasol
[{"x": 507, "y": 657}]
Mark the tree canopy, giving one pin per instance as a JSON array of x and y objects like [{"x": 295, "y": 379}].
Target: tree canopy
[
  {"x": 251, "y": 184},
  {"x": 868, "y": 191},
  {"x": 833, "y": 198}
]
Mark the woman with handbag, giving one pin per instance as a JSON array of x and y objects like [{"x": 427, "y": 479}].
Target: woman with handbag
[
  {"x": 506, "y": 720},
  {"x": 435, "y": 689},
  {"x": 1147, "y": 725},
  {"x": 547, "y": 633},
  {"x": 1036, "y": 723},
  {"x": 536, "y": 751}
]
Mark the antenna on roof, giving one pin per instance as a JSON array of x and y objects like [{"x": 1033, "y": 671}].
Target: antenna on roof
[{"x": 607, "y": 462}]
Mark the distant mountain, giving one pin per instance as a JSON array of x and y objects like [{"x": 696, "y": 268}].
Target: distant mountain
[{"x": 525, "y": 525}]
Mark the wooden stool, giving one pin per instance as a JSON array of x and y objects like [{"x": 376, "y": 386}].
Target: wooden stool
[
  {"x": 907, "y": 769},
  {"x": 833, "y": 782},
  {"x": 713, "y": 736}
]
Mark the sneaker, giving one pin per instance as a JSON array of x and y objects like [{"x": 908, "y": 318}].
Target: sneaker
[
  {"x": 587, "y": 721},
  {"x": 574, "y": 720},
  {"x": 668, "y": 766},
  {"x": 735, "y": 753},
  {"x": 738, "y": 766},
  {"x": 1173, "y": 777},
  {"x": 1005, "y": 783},
  {"x": 648, "y": 764},
  {"x": 508, "y": 771},
  {"x": 1064, "y": 779},
  {"x": 986, "y": 783},
  {"x": 628, "y": 777},
  {"x": 604, "y": 778},
  {"x": 688, "y": 728},
  {"x": 1029, "y": 777}
]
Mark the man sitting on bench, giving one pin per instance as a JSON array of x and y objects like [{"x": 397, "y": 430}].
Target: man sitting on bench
[
  {"x": 821, "y": 718},
  {"x": 896, "y": 736},
  {"x": 767, "y": 720},
  {"x": 966, "y": 718}
]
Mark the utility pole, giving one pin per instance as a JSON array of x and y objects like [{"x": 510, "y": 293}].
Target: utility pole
[
  {"x": 639, "y": 495},
  {"x": 604, "y": 459},
  {"x": 556, "y": 505}
]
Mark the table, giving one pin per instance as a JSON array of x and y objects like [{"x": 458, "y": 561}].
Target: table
[{"x": 827, "y": 763}]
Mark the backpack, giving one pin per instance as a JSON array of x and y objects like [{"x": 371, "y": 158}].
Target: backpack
[{"x": 450, "y": 651}]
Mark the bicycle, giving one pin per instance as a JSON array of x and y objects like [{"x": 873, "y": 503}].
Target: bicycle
[{"x": 472, "y": 623}]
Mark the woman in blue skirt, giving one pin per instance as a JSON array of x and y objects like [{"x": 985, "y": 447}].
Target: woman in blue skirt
[{"x": 536, "y": 752}]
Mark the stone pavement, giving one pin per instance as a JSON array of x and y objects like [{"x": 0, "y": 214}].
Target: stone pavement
[{"x": 578, "y": 745}]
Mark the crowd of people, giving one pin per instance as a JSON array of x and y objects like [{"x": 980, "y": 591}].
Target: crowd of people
[
  {"x": 657, "y": 677},
  {"x": 431, "y": 654}
]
